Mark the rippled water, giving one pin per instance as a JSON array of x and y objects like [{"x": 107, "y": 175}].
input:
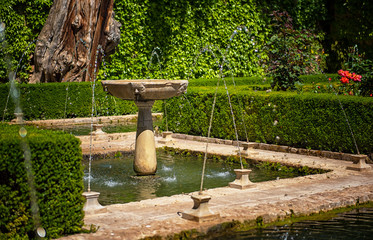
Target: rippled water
[
  {"x": 114, "y": 178},
  {"x": 356, "y": 224}
]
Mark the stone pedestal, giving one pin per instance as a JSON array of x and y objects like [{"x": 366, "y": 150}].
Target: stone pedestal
[
  {"x": 144, "y": 92},
  {"x": 92, "y": 206},
  {"x": 166, "y": 137},
  {"x": 97, "y": 129},
  {"x": 19, "y": 118},
  {"x": 361, "y": 165},
  {"x": 242, "y": 180},
  {"x": 248, "y": 150},
  {"x": 200, "y": 211},
  {"x": 145, "y": 156},
  {"x": 98, "y": 134}
]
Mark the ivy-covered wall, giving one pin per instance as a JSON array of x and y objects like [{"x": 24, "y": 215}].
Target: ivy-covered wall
[{"x": 182, "y": 28}]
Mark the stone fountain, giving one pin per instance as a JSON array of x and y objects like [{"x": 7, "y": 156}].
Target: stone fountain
[{"x": 144, "y": 93}]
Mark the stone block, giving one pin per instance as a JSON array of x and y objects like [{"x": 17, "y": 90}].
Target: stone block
[
  {"x": 284, "y": 149},
  {"x": 189, "y": 137},
  {"x": 211, "y": 140},
  {"x": 303, "y": 151},
  {"x": 196, "y": 138},
  {"x": 265, "y": 146},
  {"x": 293, "y": 150},
  {"x": 316, "y": 153}
]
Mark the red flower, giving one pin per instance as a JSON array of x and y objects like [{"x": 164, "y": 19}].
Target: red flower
[
  {"x": 330, "y": 79},
  {"x": 344, "y": 80},
  {"x": 356, "y": 78},
  {"x": 343, "y": 73}
]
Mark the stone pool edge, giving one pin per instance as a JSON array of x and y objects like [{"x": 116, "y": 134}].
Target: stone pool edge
[{"x": 270, "y": 200}]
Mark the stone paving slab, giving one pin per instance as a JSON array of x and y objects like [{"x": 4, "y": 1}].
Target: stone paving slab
[{"x": 271, "y": 199}]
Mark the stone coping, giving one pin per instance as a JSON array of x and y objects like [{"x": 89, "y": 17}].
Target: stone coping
[
  {"x": 124, "y": 142},
  {"x": 277, "y": 148}
]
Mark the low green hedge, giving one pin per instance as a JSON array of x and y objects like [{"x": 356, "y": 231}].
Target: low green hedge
[
  {"x": 49, "y": 100},
  {"x": 70, "y": 100},
  {"x": 257, "y": 81},
  {"x": 58, "y": 179},
  {"x": 300, "y": 120}
]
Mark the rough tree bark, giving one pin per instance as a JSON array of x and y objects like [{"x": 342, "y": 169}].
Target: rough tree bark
[{"x": 73, "y": 33}]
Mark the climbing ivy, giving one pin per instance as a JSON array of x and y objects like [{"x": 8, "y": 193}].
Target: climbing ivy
[
  {"x": 23, "y": 21},
  {"x": 181, "y": 29}
]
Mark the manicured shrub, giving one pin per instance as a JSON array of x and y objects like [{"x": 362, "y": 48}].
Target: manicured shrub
[
  {"x": 63, "y": 100},
  {"x": 53, "y": 160},
  {"x": 300, "y": 120}
]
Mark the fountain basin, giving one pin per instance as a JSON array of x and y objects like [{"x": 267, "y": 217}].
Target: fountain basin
[{"x": 145, "y": 89}]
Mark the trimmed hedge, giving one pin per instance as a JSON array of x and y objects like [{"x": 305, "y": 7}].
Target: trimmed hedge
[
  {"x": 48, "y": 101},
  {"x": 58, "y": 180},
  {"x": 255, "y": 81},
  {"x": 300, "y": 120}
]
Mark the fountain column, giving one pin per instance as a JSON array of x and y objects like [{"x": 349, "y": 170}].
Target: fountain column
[{"x": 145, "y": 156}]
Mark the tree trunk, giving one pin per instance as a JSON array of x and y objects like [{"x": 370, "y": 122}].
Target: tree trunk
[{"x": 74, "y": 39}]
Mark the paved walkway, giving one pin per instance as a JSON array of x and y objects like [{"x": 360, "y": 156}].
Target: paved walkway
[{"x": 271, "y": 200}]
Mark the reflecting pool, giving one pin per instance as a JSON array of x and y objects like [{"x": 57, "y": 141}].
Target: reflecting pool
[
  {"x": 115, "y": 179},
  {"x": 356, "y": 224}
]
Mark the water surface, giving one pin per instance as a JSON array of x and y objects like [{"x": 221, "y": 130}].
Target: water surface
[
  {"x": 115, "y": 179},
  {"x": 356, "y": 224}
]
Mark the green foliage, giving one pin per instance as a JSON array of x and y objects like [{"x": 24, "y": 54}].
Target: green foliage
[
  {"x": 358, "y": 64},
  {"x": 291, "y": 52},
  {"x": 23, "y": 21},
  {"x": 181, "y": 29},
  {"x": 297, "y": 171},
  {"x": 57, "y": 173},
  {"x": 63, "y": 100},
  {"x": 306, "y": 13},
  {"x": 300, "y": 120}
]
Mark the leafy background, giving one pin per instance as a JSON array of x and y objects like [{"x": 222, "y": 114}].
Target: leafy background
[{"x": 182, "y": 28}]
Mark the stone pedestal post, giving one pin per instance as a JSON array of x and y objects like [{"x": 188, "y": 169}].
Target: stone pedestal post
[
  {"x": 242, "y": 180},
  {"x": 97, "y": 129},
  {"x": 145, "y": 156},
  {"x": 166, "y": 137},
  {"x": 361, "y": 165},
  {"x": 200, "y": 211},
  {"x": 19, "y": 118},
  {"x": 92, "y": 206},
  {"x": 248, "y": 150},
  {"x": 98, "y": 134}
]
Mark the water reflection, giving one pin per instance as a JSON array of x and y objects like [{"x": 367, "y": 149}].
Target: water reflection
[{"x": 351, "y": 225}]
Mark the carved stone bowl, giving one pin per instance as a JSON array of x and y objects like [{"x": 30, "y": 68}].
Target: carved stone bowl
[{"x": 145, "y": 89}]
